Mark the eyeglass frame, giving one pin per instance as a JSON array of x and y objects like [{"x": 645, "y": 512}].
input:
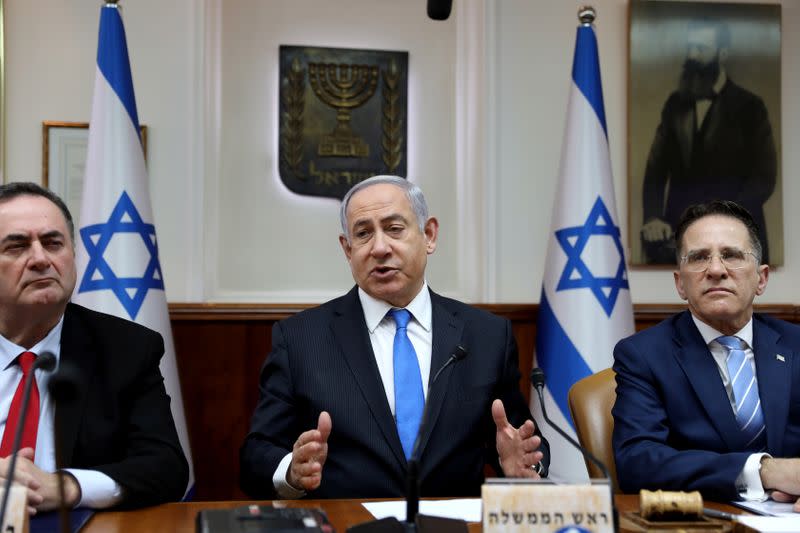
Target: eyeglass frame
[{"x": 711, "y": 257}]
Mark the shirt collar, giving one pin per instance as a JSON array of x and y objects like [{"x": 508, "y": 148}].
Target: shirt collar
[
  {"x": 710, "y": 334},
  {"x": 50, "y": 343},
  {"x": 375, "y": 310}
]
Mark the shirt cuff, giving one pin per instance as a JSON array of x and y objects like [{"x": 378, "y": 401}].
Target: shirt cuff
[
  {"x": 98, "y": 491},
  {"x": 749, "y": 481},
  {"x": 282, "y": 487}
]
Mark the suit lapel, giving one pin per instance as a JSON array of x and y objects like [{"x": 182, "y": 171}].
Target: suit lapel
[
  {"x": 77, "y": 352},
  {"x": 773, "y": 371},
  {"x": 447, "y": 330},
  {"x": 350, "y": 331},
  {"x": 698, "y": 365}
]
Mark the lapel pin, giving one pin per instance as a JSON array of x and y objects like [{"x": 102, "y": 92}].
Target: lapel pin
[{"x": 780, "y": 358}]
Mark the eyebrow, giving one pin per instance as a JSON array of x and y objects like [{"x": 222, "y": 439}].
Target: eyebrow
[
  {"x": 22, "y": 237},
  {"x": 389, "y": 218}
]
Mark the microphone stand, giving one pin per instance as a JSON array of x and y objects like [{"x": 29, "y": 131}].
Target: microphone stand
[
  {"x": 63, "y": 388},
  {"x": 538, "y": 380},
  {"x": 412, "y": 487},
  {"x": 45, "y": 361},
  {"x": 412, "y": 523}
]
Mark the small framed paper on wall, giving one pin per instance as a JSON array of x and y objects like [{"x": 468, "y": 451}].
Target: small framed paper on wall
[{"x": 64, "y": 146}]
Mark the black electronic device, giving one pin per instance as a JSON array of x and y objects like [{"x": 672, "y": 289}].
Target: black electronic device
[{"x": 263, "y": 519}]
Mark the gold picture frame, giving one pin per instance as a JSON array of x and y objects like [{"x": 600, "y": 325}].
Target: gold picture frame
[{"x": 64, "y": 146}]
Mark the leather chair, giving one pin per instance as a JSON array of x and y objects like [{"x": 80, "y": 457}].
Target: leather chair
[{"x": 590, "y": 403}]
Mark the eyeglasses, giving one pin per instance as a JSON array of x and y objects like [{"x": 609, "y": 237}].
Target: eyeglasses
[{"x": 730, "y": 259}]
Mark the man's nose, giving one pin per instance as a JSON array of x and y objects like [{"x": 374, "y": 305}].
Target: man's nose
[
  {"x": 715, "y": 266},
  {"x": 38, "y": 256},
  {"x": 380, "y": 244}
]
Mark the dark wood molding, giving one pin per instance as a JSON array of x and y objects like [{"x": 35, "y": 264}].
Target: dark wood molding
[{"x": 514, "y": 312}]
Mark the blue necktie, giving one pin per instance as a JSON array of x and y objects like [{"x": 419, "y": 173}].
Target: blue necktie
[
  {"x": 408, "y": 397},
  {"x": 745, "y": 392}
]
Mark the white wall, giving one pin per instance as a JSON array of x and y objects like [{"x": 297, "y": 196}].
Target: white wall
[
  {"x": 487, "y": 102},
  {"x": 50, "y": 52},
  {"x": 533, "y": 52}
]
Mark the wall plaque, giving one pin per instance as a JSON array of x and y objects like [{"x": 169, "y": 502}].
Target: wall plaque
[{"x": 343, "y": 117}]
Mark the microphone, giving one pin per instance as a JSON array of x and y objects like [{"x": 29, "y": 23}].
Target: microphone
[
  {"x": 412, "y": 478},
  {"x": 538, "y": 381},
  {"x": 63, "y": 387},
  {"x": 439, "y": 9},
  {"x": 45, "y": 361},
  {"x": 412, "y": 481}
]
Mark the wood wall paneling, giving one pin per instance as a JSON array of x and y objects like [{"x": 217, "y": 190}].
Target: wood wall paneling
[{"x": 220, "y": 350}]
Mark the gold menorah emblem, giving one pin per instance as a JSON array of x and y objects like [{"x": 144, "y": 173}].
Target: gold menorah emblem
[{"x": 343, "y": 87}]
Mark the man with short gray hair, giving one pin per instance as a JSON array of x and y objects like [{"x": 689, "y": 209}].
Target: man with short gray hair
[{"x": 345, "y": 386}]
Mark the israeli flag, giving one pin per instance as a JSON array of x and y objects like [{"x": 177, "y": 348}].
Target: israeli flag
[
  {"x": 585, "y": 306},
  {"x": 117, "y": 250}
]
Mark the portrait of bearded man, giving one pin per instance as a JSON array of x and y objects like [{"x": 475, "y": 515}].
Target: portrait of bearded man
[{"x": 714, "y": 140}]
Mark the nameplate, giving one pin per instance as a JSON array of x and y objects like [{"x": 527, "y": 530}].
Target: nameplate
[
  {"x": 517, "y": 505},
  {"x": 16, "y": 520}
]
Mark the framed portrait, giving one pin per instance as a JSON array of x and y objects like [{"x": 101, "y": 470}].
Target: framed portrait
[
  {"x": 704, "y": 119},
  {"x": 64, "y": 146}
]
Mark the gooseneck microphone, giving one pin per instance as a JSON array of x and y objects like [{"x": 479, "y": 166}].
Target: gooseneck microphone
[
  {"x": 538, "y": 381},
  {"x": 64, "y": 387},
  {"x": 45, "y": 361},
  {"x": 412, "y": 480}
]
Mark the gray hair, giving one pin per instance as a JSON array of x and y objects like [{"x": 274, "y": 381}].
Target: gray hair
[{"x": 413, "y": 193}]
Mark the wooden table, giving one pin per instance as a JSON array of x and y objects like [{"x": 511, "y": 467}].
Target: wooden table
[{"x": 180, "y": 517}]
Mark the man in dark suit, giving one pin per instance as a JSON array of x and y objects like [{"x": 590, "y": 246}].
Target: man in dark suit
[
  {"x": 709, "y": 399},
  {"x": 333, "y": 419},
  {"x": 118, "y": 441},
  {"x": 714, "y": 140}
]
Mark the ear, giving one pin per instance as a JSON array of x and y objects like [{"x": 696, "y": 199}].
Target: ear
[
  {"x": 679, "y": 284},
  {"x": 345, "y": 246},
  {"x": 723, "y": 55},
  {"x": 431, "y": 233},
  {"x": 763, "y": 276}
]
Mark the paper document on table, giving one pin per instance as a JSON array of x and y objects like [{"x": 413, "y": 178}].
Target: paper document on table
[
  {"x": 468, "y": 509},
  {"x": 772, "y": 524},
  {"x": 768, "y": 508}
]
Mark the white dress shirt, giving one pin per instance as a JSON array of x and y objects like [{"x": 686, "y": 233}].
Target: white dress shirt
[
  {"x": 381, "y": 335},
  {"x": 749, "y": 481},
  {"x": 98, "y": 491}
]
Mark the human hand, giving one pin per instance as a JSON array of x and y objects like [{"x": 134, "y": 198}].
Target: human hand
[
  {"x": 309, "y": 454},
  {"x": 779, "y": 496},
  {"x": 656, "y": 230},
  {"x": 782, "y": 476},
  {"x": 42, "y": 487},
  {"x": 518, "y": 449}
]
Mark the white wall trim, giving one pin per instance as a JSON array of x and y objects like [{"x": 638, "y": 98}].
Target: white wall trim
[
  {"x": 470, "y": 126},
  {"x": 491, "y": 168},
  {"x": 210, "y": 141}
]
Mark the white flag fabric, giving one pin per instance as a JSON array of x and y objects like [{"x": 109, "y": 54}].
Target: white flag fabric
[
  {"x": 117, "y": 250},
  {"x": 585, "y": 306}
]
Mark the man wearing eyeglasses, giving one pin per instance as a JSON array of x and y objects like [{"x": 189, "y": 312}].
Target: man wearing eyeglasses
[{"x": 709, "y": 399}]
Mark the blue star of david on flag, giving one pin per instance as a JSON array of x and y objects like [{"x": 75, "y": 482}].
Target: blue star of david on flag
[
  {"x": 130, "y": 291},
  {"x": 576, "y": 274}
]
